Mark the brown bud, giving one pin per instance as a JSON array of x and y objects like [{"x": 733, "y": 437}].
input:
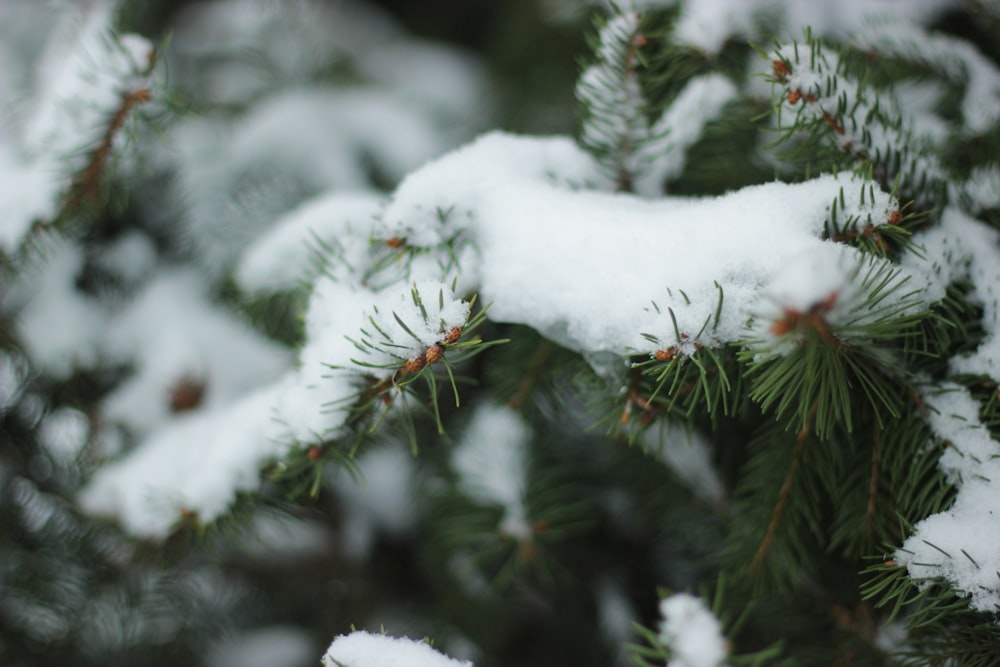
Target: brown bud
[
  {"x": 187, "y": 393},
  {"x": 453, "y": 335},
  {"x": 395, "y": 242},
  {"x": 314, "y": 452},
  {"x": 665, "y": 355},
  {"x": 781, "y": 69},
  {"x": 433, "y": 354},
  {"x": 794, "y": 96},
  {"x": 415, "y": 365}
]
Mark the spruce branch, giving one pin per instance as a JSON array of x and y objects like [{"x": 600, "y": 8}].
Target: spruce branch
[
  {"x": 866, "y": 125},
  {"x": 784, "y": 493}
]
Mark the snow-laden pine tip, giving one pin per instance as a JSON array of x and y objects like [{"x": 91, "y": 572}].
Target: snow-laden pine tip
[
  {"x": 364, "y": 649},
  {"x": 354, "y": 332},
  {"x": 611, "y": 272},
  {"x": 691, "y": 632}
]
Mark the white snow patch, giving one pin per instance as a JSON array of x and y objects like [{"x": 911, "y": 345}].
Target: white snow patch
[
  {"x": 688, "y": 454},
  {"x": 383, "y": 500},
  {"x": 282, "y": 258},
  {"x": 171, "y": 333},
  {"x": 585, "y": 267},
  {"x": 491, "y": 462},
  {"x": 961, "y": 544},
  {"x": 363, "y": 649},
  {"x": 196, "y": 464},
  {"x": 692, "y": 632},
  {"x": 275, "y": 646}
]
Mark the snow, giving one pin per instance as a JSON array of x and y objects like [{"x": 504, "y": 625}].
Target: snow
[
  {"x": 955, "y": 58},
  {"x": 28, "y": 192},
  {"x": 63, "y": 433},
  {"x": 363, "y": 649},
  {"x": 961, "y": 544},
  {"x": 680, "y": 126},
  {"x": 381, "y": 500},
  {"x": 194, "y": 465},
  {"x": 81, "y": 79},
  {"x": 354, "y": 332},
  {"x": 708, "y": 24},
  {"x": 688, "y": 454},
  {"x": 966, "y": 533},
  {"x": 491, "y": 463},
  {"x": 692, "y": 632},
  {"x": 981, "y": 191},
  {"x": 171, "y": 333},
  {"x": 44, "y": 299},
  {"x": 961, "y": 247},
  {"x": 280, "y": 258},
  {"x": 238, "y": 176},
  {"x": 618, "y": 254},
  {"x": 274, "y": 646}
]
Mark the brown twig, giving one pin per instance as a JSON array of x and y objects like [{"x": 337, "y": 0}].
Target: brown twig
[{"x": 785, "y": 492}]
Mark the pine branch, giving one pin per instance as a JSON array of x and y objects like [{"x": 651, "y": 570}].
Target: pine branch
[{"x": 785, "y": 492}]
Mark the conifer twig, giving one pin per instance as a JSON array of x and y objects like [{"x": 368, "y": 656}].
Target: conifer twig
[
  {"x": 873, "y": 484},
  {"x": 785, "y": 492},
  {"x": 535, "y": 366}
]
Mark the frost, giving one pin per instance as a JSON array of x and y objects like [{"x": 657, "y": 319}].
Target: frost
[
  {"x": 691, "y": 632},
  {"x": 363, "y": 649}
]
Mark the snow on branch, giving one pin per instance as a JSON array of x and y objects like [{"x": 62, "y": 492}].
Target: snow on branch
[
  {"x": 636, "y": 153},
  {"x": 603, "y": 272},
  {"x": 364, "y": 649},
  {"x": 691, "y": 632},
  {"x": 961, "y": 544},
  {"x": 865, "y": 123},
  {"x": 88, "y": 82},
  {"x": 955, "y": 59}
]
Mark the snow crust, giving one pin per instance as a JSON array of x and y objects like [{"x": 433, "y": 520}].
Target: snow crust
[
  {"x": 364, "y": 649},
  {"x": 692, "y": 632}
]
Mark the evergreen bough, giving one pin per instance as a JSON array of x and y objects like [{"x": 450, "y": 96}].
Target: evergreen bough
[{"x": 761, "y": 425}]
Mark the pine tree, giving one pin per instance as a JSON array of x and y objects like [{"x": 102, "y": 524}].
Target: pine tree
[{"x": 293, "y": 352}]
